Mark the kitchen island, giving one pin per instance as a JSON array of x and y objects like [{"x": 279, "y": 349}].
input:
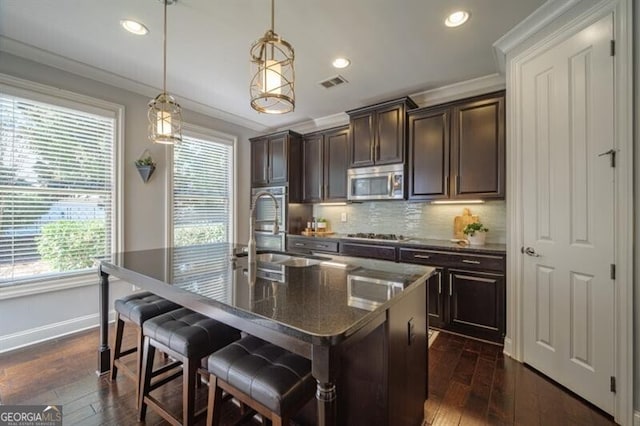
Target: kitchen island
[{"x": 361, "y": 322}]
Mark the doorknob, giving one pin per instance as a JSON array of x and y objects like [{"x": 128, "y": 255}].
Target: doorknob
[{"x": 529, "y": 251}]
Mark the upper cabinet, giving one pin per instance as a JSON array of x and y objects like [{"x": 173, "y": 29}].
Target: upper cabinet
[
  {"x": 457, "y": 151},
  {"x": 325, "y": 162},
  {"x": 276, "y": 161},
  {"x": 378, "y": 133}
]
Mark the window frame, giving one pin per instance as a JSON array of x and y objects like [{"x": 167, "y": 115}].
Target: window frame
[
  {"x": 211, "y": 135},
  {"x": 37, "y": 92}
]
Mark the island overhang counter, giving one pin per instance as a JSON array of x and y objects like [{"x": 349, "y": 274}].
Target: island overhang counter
[{"x": 361, "y": 322}]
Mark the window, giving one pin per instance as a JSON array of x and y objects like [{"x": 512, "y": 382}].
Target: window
[
  {"x": 57, "y": 163},
  {"x": 203, "y": 189}
]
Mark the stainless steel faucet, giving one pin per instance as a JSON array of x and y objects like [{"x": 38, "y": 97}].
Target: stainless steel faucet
[{"x": 252, "y": 223}]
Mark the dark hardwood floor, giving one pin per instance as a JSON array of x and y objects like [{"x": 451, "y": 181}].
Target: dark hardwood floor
[{"x": 470, "y": 383}]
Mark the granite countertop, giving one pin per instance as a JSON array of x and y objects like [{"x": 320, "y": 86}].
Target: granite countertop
[
  {"x": 426, "y": 243},
  {"x": 325, "y": 302}
]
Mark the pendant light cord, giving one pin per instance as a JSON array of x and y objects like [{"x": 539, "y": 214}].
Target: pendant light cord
[{"x": 164, "y": 49}]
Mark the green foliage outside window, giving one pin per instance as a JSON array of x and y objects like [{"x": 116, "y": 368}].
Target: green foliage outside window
[
  {"x": 199, "y": 235},
  {"x": 69, "y": 245}
]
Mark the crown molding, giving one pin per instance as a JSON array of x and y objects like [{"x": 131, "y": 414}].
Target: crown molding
[
  {"x": 322, "y": 123},
  {"x": 462, "y": 89},
  {"x": 45, "y": 57},
  {"x": 528, "y": 27}
]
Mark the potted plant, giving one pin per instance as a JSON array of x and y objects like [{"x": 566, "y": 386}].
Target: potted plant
[
  {"x": 322, "y": 225},
  {"x": 146, "y": 166},
  {"x": 476, "y": 233}
]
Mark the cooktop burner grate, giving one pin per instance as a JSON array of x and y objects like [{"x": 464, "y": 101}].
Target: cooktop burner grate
[{"x": 374, "y": 236}]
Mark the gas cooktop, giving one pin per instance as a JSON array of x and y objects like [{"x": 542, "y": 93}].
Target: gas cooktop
[{"x": 373, "y": 236}]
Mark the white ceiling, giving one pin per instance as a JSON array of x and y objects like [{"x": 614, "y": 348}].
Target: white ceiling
[{"x": 396, "y": 47}]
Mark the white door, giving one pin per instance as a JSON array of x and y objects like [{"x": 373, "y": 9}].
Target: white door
[{"x": 568, "y": 202}]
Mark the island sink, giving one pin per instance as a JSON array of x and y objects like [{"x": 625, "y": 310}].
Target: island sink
[{"x": 287, "y": 260}]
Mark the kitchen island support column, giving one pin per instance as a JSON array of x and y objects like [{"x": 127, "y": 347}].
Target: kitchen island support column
[
  {"x": 104, "y": 352},
  {"x": 324, "y": 368}
]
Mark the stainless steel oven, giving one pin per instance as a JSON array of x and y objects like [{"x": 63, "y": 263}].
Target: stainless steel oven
[
  {"x": 376, "y": 183},
  {"x": 265, "y": 211}
]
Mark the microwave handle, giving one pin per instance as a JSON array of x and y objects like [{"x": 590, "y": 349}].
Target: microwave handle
[{"x": 390, "y": 185}]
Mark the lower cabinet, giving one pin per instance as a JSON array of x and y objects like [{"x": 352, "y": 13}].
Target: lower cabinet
[
  {"x": 467, "y": 295},
  {"x": 435, "y": 308},
  {"x": 476, "y": 304}
]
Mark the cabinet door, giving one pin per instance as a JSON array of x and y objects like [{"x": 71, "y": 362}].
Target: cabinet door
[
  {"x": 478, "y": 149},
  {"x": 389, "y": 147},
  {"x": 476, "y": 304},
  {"x": 362, "y": 140},
  {"x": 435, "y": 300},
  {"x": 312, "y": 169},
  {"x": 259, "y": 162},
  {"x": 278, "y": 160},
  {"x": 336, "y": 162},
  {"x": 429, "y": 154}
]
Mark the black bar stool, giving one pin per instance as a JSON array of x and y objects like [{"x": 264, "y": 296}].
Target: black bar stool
[
  {"x": 135, "y": 309},
  {"x": 187, "y": 337},
  {"x": 267, "y": 378}
]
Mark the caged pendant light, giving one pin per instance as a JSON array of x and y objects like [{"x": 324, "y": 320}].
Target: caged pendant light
[
  {"x": 272, "y": 70},
  {"x": 165, "y": 115}
]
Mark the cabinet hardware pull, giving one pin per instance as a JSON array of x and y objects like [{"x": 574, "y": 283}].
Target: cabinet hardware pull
[
  {"x": 450, "y": 285},
  {"x": 439, "y": 282},
  {"x": 457, "y": 185},
  {"x": 322, "y": 245},
  {"x": 473, "y": 262},
  {"x": 299, "y": 244},
  {"x": 421, "y": 256}
]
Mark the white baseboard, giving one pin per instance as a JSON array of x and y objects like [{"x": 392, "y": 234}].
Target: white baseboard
[
  {"x": 508, "y": 347},
  {"x": 32, "y": 336},
  {"x": 636, "y": 418}
]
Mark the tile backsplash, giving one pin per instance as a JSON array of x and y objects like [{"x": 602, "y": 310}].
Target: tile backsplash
[{"x": 423, "y": 220}]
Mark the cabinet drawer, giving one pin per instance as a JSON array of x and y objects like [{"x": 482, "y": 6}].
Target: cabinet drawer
[
  {"x": 299, "y": 244},
  {"x": 368, "y": 250},
  {"x": 474, "y": 261}
]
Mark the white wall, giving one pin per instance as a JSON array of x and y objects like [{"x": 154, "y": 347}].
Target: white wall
[
  {"x": 144, "y": 204},
  {"x": 636, "y": 168}
]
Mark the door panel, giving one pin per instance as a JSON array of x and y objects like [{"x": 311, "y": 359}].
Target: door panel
[
  {"x": 390, "y": 135},
  {"x": 568, "y": 212},
  {"x": 278, "y": 160},
  {"x": 362, "y": 140},
  {"x": 259, "y": 162},
  {"x": 336, "y": 163},
  {"x": 312, "y": 169}
]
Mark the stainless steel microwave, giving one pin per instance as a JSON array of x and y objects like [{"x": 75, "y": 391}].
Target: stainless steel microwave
[{"x": 376, "y": 183}]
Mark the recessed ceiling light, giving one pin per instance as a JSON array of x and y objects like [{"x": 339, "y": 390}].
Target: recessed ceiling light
[
  {"x": 457, "y": 18},
  {"x": 341, "y": 63},
  {"x": 134, "y": 27}
]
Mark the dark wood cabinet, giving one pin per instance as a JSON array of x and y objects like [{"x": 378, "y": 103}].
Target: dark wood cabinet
[
  {"x": 302, "y": 244},
  {"x": 325, "y": 162},
  {"x": 457, "y": 150},
  {"x": 429, "y": 154},
  {"x": 383, "y": 252},
  {"x": 435, "y": 306},
  {"x": 468, "y": 294},
  {"x": 276, "y": 160},
  {"x": 476, "y": 305},
  {"x": 478, "y": 149},
  {"x": 378, "y": 133}
]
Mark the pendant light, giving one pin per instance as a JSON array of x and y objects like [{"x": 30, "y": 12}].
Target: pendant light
[
  {"x": 165, "y": 115},
  {"x": 273, "y": 76}
]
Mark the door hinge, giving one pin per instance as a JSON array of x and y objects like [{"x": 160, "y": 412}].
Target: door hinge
[
  {"x": 613, "y": 271},
  {"x": 613, "y": 48},
  {"x": 612, "y": 154},
  {"x": 613, "y": 384}
]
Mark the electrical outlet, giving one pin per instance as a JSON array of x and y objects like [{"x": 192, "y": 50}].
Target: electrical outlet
[{"x": 343, "y": 217}]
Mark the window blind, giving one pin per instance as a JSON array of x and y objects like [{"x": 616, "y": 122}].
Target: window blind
[
  {"x": 202, "y": 191},
  {"x": 56, "y": 172}
]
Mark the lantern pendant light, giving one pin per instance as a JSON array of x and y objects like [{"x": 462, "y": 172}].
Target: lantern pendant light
[
  {"x": 165, "y": 115},
  {"x": 272, "y": 70}
]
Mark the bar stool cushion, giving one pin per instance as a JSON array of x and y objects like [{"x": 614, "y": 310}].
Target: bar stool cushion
[
  {"x": 189, "y": 333},
  {"x": 267, "y": 373},
  {"x": 139, "y": 307}
]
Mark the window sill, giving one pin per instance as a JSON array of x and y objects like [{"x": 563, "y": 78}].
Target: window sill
[{"x": 33, "y": 288}]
